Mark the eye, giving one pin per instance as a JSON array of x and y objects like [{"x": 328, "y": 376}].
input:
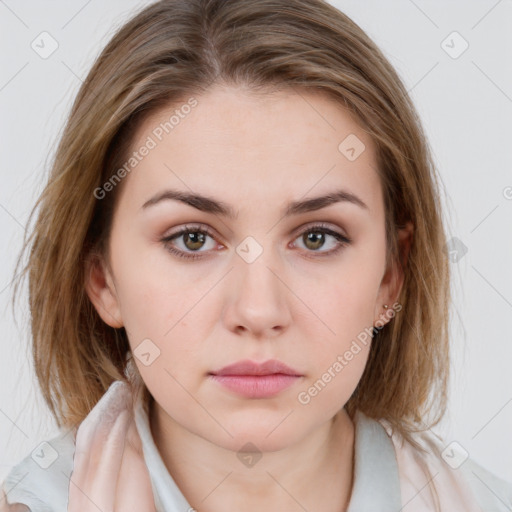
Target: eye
[
  {"x": 315, "y": 237},
  {"x": 193, "y": 238}
]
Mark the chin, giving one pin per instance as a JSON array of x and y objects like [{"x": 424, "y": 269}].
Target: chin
[
  {"x": 268, "y": 433},
  {"x": 257, "y": 440}
]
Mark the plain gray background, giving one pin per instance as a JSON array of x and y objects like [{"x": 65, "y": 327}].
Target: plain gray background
[{"x": 465, "y": 101}]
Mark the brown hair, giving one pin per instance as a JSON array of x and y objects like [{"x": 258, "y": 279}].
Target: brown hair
[{"x": 177, "y": 48}]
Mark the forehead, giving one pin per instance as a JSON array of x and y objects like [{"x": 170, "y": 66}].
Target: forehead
[{"x": 242, "y": 146}]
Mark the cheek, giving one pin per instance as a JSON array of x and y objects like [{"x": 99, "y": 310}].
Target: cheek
[
  {"x": 167, "y": 313},
  {"x": 154, "y": 294},
  {"x": 345, "y": 305},
  {"x": 339, "y": 355},
  {"x": 339, "y": 358},
  {"x": 331, "y": 388}
]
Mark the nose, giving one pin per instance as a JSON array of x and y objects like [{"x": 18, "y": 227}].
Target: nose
[{"x": 258, "y": 300}]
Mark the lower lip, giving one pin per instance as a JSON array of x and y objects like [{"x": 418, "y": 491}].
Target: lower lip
[{"x": 256, "y": 386}]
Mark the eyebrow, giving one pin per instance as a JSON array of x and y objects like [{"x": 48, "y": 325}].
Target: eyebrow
[{"x": 211, "y": 205}]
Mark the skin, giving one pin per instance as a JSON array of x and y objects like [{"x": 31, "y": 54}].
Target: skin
[{"x": 256, "y": 154}]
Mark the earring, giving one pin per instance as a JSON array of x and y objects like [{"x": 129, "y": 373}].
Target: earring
[{"x": 385, "y": 306}]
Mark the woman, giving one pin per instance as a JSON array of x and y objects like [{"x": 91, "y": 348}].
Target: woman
[{"x": 237, "y": 280}]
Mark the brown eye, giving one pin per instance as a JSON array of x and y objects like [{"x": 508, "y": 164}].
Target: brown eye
[
  {"x": 193, "y": 240},
  {"x": 313, "y": 240},
  {"x": 317, "y": 237}
]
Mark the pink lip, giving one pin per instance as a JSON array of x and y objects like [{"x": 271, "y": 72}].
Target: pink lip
[{"x": 256, "y": 380}]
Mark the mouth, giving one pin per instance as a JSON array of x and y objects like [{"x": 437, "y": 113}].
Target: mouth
[{"x": 256, "y": 380}]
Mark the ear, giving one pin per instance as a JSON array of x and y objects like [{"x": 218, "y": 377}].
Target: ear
[
  {"x": 393, "y": 279},
  {"x": 99, "y": 286}
]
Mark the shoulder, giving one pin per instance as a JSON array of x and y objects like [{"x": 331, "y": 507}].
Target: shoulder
[
  {"x": 443, "y": 473},
  {"x": 41, "y": 479},
  {"x": 491, "y": 491}
]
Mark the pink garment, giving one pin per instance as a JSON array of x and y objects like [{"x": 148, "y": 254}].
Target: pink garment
[{"x": 427, "y": 482}]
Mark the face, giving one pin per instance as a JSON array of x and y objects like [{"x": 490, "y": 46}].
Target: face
[{"x": 258, "y": 272}]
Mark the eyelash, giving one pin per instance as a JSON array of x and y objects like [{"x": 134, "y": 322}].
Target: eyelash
[{"x": 318, "y": 228}]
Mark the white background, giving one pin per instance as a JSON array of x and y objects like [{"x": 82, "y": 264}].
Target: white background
[{"x": 465, "y": 104}]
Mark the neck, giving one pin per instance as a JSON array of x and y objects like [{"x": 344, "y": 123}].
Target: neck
[{"x": 296, "y": 477}]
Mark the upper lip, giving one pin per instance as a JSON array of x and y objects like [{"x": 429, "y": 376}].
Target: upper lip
[{"x": 247, "y": 367}]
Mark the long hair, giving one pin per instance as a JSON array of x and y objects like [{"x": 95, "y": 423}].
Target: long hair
[{"x": 175, "y": 49}]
